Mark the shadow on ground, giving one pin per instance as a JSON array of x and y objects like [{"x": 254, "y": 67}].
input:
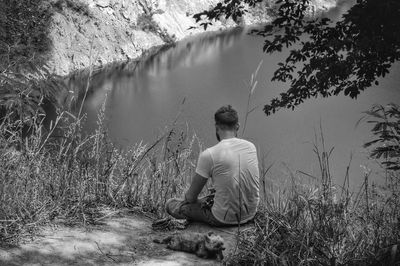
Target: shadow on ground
[{"x": 125, "y": 240}]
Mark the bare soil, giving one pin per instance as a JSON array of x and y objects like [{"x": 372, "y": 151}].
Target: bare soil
[{"x": 123, "y": 239}]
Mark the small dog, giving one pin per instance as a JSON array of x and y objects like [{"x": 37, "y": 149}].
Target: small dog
[{"x": 207, "y": 246}]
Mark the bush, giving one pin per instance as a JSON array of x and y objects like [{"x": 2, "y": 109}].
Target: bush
[
  {"x": 24, "y": 32},
  {"x": 25, "y": 28},
  {"x": 146, "y": 23},
  {"x": 75, "y": 5}
]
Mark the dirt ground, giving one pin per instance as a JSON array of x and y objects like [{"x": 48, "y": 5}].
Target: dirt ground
[{"x": 125, "y": 239}]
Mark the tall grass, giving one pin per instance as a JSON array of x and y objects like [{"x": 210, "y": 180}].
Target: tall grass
[
  {"x": 61, "y": 173},
  {"x": 58, "y": 172},
  {"x": 323, "y": 224}
]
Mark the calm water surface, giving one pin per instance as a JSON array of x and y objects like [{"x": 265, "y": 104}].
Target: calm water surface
[{"x": 213, "y": 70}]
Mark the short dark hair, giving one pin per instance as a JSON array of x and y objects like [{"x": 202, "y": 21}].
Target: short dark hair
[{"x": 226, "y": 116}]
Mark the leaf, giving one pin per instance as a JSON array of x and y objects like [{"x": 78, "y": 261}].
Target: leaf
[{"x": 367, "y": 144}]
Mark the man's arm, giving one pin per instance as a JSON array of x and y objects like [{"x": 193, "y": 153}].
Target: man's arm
[{"x": 195, "y": 188}]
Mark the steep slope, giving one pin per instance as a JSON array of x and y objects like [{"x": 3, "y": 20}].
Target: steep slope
[{"x": 98, "y": 32}]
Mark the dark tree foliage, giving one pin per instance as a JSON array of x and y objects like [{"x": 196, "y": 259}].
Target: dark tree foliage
[
  {"x": 345, "y": 56},
  {"x": 24, "y": 31},
  {"x": 26, "y": 85}
]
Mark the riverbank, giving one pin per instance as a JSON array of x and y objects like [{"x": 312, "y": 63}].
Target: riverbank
[{"x": 69, "y": 178}]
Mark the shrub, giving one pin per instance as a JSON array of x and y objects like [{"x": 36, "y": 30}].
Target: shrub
[
  {"x": 24, "y": 32},
  {"x": 75, "y": 5},
  {"x": 146, "y": 23}
]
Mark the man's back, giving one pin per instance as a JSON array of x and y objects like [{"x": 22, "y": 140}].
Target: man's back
[{"x": 223, "y": 163}]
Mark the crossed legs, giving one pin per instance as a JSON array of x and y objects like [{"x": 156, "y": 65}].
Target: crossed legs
[{"x": 194, "y": 212}]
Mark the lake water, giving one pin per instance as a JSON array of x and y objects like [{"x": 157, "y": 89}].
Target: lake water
[{"x": 212, "y": 70}]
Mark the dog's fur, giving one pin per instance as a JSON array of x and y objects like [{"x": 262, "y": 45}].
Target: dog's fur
[{"x": 208, "y": 246}]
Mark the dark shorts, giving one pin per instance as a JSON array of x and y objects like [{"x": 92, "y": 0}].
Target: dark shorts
[{"x": 194, "y": 212}]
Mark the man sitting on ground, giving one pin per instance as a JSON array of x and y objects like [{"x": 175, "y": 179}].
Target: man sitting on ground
[{"x": 232, "y": 166}]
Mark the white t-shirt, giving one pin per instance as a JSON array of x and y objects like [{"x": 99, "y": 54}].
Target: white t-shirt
[{"x": 223, "y": 163}]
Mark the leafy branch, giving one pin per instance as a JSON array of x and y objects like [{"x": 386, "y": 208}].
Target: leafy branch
[
  {"x": 386, "y": 145},
  {"x": 326, "y": 58}
]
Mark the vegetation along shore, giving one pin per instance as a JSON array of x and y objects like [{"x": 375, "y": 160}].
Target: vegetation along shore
[{"x": 51, "y": 171}]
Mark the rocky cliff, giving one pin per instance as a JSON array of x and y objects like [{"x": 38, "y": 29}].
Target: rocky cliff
[{"x": 98, "y": 32}]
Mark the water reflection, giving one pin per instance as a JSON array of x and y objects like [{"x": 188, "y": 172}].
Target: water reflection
[
  {"x": 133, "y": 78},
  {"x": 133, "y": 88},
  {"x": 193, "y": 51}
]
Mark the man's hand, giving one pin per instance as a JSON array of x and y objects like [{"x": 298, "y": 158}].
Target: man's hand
[{"x": 195, "y": 188}]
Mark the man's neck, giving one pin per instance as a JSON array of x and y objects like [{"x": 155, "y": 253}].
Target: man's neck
[{"x": 227, "y": 134}]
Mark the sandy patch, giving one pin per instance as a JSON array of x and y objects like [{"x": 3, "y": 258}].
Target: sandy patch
[{"x": 123, "y": 240}]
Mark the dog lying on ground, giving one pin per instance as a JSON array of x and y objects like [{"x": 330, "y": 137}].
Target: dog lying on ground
[{"x": 207, "y": 246}]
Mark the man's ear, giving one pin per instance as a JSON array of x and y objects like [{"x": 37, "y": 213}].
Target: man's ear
[{"x": 237, "y": 126}]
